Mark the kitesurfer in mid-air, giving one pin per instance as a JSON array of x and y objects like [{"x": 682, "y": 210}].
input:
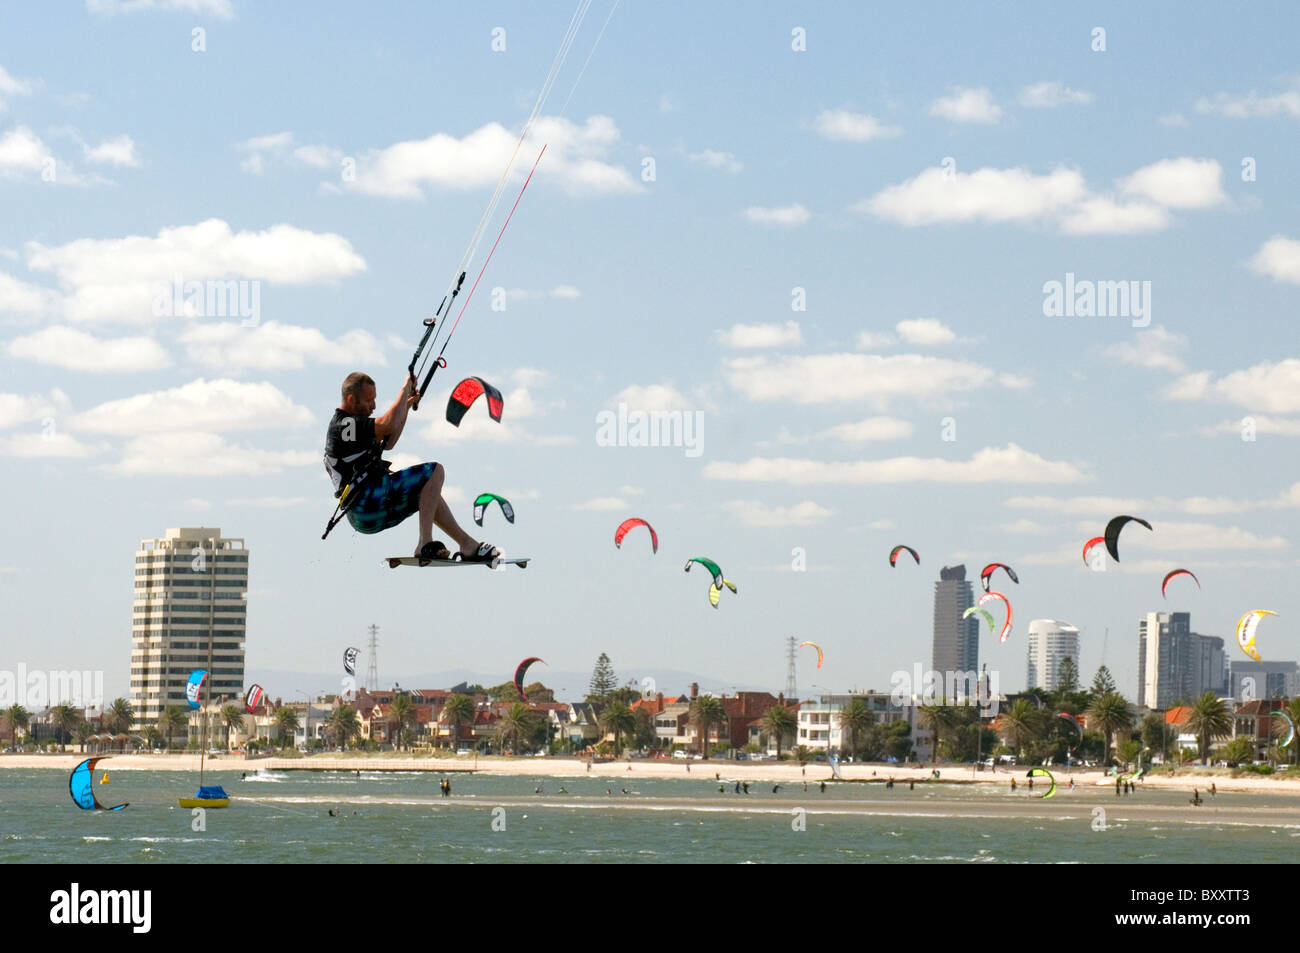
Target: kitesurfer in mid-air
[{"x": 353, "y": 444}]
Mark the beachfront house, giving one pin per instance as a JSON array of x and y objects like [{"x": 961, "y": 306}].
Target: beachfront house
[
  {"x": 1253, "y": 720},
  {"x": 820, "y": 729}
]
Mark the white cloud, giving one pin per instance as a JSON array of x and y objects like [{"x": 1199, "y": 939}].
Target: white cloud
[
  {"x": 1263, "y": 424},
  {"x": 871, "y": 341},
  {"x": 230, "y": 348},
  {"x": 846, "y": 126},
  {"x": 79, "y": 351},
  {"x": 1155, "y": 348},
  {"x": 574, "y": 157},
  {"x": 726, "y": 161},
  {"x": 601, "y": 504},
  {"x": 216, "y": 406},
  {"x": 269, "y": 502},
  {"x": 1178, "y": 183},
  {"x": 1099, "y": 215},
  {"x": 1252, "y": 105},
  {"x": 12, "y": 86},
  {"x": 41, "y": 445},
  {"x": 757, "y": 514},
  {"x": 121, "y": 279},
  {"x": 320, "y": 157},
  {"x": 785, "y": 215},
  {"x": 987, "y": 195},
  {"x": 196, "y": 455},
  {"x": 831, "y": 378},
  {"x": 1010, "y": 464},
  {"x": 873, "y": 428},
  {"x": 967, "y": 105},
  {"x": 1266, "y": 387},
  {"x": 1024, "y": 526},
  {"x": 21, "y": 151},
  {"x": 19, "y": 297},
  {"x": 1049, "y": 95},
  {"x": 17, "y": 409},
  {"x": 761, "y": 335},
  {"x": 664, "y": 397},
  {"x": 559, "y": 292},
  {"x": 119, "y": 151},
  {"x": 1015, "y": 381},
  {"x": 1102, "y": 508},
  {"x": 1178, "y": 537},
  {"x": 925, "y": 332},
  {"x": 1175, "y": 120},
  {"x": 1279, "y": 258},
  {"x": 221, "y": 9}
]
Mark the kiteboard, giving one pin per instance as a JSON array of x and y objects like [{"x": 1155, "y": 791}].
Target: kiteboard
[{"x": 395, "y": 561}]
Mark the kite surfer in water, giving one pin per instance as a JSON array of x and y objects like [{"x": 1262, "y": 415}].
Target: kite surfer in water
[{"x": 353, "y": 444}]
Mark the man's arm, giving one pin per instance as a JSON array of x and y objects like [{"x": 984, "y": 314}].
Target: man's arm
[{"x": 389, "y": 426}]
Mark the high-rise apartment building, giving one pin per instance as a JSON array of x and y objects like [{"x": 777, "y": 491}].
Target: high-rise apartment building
[
  {"x": 189, "y": 613},
  {"x": 1051, "y": 642},
  {"x": 1176, "y": 663},
  {"x": 956, "y": 640},
  {"x": 1253, "y": 680}
]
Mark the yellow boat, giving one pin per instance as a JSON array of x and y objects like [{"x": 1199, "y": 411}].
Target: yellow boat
[{"x": 212, "y": 795}]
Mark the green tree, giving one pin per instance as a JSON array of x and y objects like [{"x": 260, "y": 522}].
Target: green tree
[
  {"x": 1157, "y": 735},
  {"x": 1129, "y": 750},
  {"x": 514, "y": 725},
  {"x": 626, "y": 695},
  {"x": 643, "y": 736},
  {"x": 84, "y": 731},
  {"x": 1208, "y": 720},
  {"x": 1067, "y": 679},
  {"x": 705, "y": 712},
  {"x": 173, "y": 719},
  {"x": 342, "y": 725},
  {"x": 120, "y": 716},
  {"x": 1021, "y": 725},
  {"x": 153, "y": 737},
  {"x": 457, "y": 712},
  {"x": 64, "y": 718},
  {"x": 898, "y": 739},
  {"x": 286, "y": 723},
  {"x": 939, "y": 719},
  {"x": 617, "y": 718},
  {"x": 16, "y": 716},
  {"x": 1239, "y": 751},
  {"x": 856, "y": 721},
  {"x": 1103, "y": 683},
  {"x": 232, "y": 716},
  {"x": 603, "y": 680},
  {"x": 401, "y": 713},
  {"x": 1109, "y": 713},
  {"x": 779, "y": 721},
  {"x": 802, "y": 754}
]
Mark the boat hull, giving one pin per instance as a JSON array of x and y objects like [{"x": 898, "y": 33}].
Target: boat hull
[{"x": 204, "y": 801}]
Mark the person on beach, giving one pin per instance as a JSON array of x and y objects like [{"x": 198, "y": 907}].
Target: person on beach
[
  {"x": 1196, "y": 798},
  {"x": 746, "y": 787},
  {"x": 1013, "y": 784},
  {"x": 1213, "y": 791},
  {"x": 775, "y": 788},
  {"x": 1117, "y": 787},
  {"x": 823, "y": 787},
  {"x": 1031, "y": 782},
  {"x": 1071, "y": 784},
  {"x": 737, "y": 787},
  {"x": 805, "y": 787},
  {"x": 911, "y": 785},
  {"x": 353, "y": 443}
]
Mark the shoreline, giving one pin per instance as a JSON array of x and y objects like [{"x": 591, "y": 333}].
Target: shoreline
[{"x": 564, "y": 767}]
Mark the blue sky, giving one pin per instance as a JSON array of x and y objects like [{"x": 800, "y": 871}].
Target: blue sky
[{"x": 919, "y": 174}]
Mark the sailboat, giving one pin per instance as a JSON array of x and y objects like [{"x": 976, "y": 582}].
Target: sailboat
[{"x": 208, "y": 795}]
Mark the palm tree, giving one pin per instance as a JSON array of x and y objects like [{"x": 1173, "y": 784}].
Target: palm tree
[
  {"x": 173, "y": 720},
  {"x": 401, "y": 712},
  {"x": 153, "y": 736},
  {"x": 64, "y": 718},
  {"x": 84, "y": 733},
  {"x": 286, "y": 722},
  {"x": 232, "y": 716},
  {"x": 1020, "y": 725},
  {"x": 619, "y": 719},
  {"x": 1109, "y": 713},
  {"x": 938, "y": 718},
  {"x": 856, "y": 719},
  {"x": 1293, "y": 710},
  {"x": 16, "y": 716},
  {"x": 779, "y": 721},
  {"x": 458, "y": 711},
  {"x": 515, "y": 724},
  {"x": 342, "y": 725},
  {"x": 705, "y": 712},
  {"x": 120, "y": 716},
  {"x": 1209, "y": 719}
]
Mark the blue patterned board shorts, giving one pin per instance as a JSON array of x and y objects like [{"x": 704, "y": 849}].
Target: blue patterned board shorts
[{"x": 390, "y": 499}]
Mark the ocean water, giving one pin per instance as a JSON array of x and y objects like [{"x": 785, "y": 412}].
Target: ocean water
[{"x": 401, "y": 817}]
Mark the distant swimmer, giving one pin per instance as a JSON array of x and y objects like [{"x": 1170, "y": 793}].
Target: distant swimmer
[
  {"x": 243, "y": 775},
  {"x": 745, "y": 785},
  {"x": 722, "y": 788},
  {"x": 538, "y": 789},
  {"x": 823, "y": 787},
  {"x": 608, "y": 791},
  {"x": 625, "y": 791},
  {"x": 775, "y": 788},
  {"x": 332, "y": 814},
  {"x": 562, "y": 791}
]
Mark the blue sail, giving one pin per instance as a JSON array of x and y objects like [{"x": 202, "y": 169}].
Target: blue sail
[
  {"x": 211, "y": 791},
  {"x": 81, "y": 787},
  {"x": 194, "y": 686}
]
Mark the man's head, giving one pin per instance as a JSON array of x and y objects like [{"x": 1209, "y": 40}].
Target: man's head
[{"x": 358, "y": 394}]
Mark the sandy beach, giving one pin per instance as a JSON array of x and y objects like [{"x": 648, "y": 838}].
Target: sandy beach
[{"x": 1184, "y": 779}]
